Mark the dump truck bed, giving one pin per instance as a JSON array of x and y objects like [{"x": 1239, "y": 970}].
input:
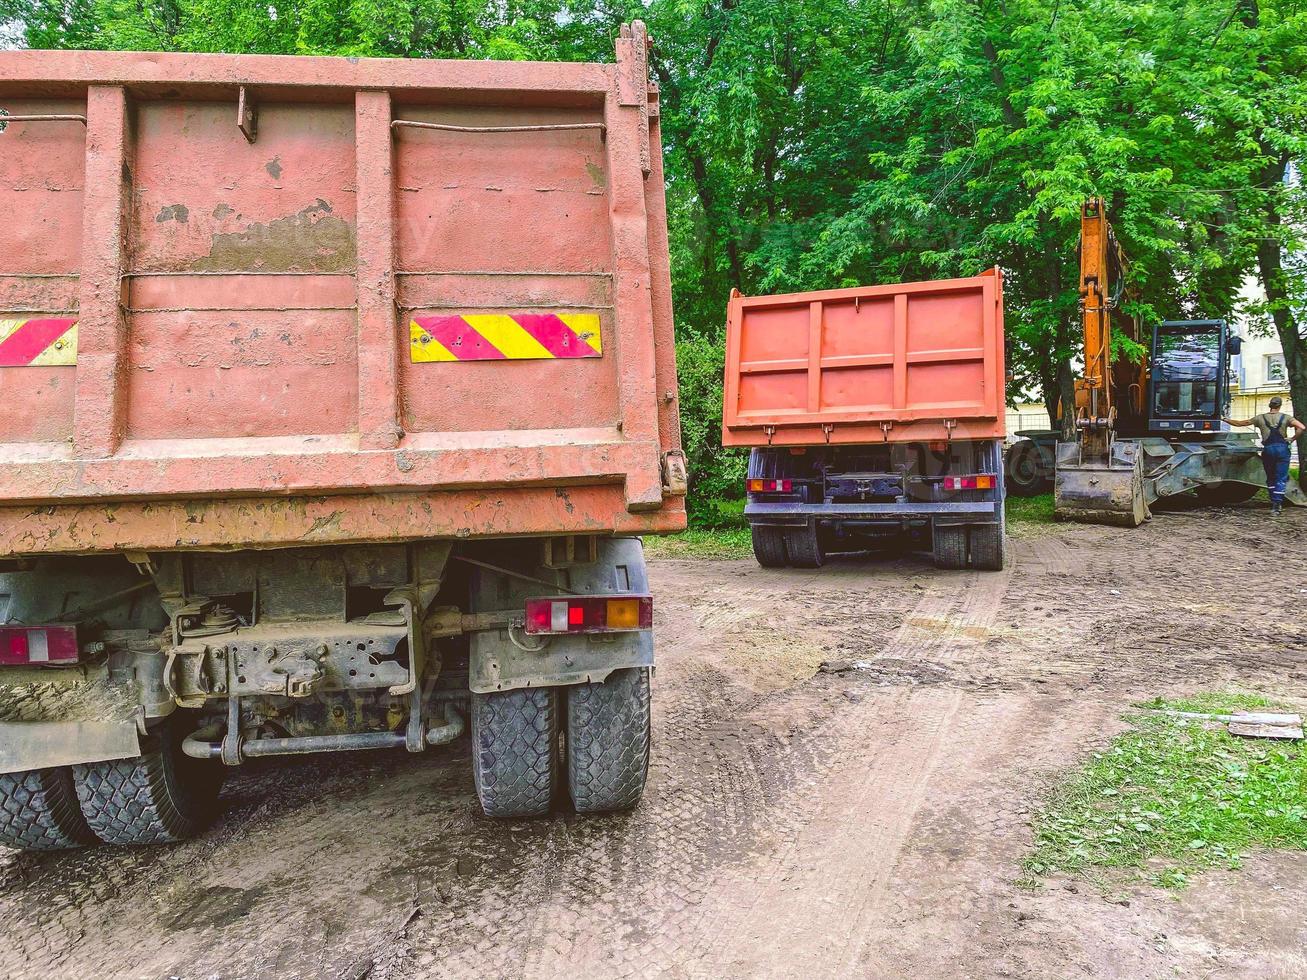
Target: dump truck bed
[
  {"x": 256, "y": 301},
  {"x": 905, "y": 362}
]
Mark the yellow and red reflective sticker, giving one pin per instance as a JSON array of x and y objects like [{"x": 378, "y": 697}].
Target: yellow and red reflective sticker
[
  {"x": 504, "y": 336},
  {"x": 38, "y": 342}
]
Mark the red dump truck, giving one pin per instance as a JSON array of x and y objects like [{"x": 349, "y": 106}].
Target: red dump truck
[
  {"x": 869, "y": 412},
  {"x": 337, "y": 394}
]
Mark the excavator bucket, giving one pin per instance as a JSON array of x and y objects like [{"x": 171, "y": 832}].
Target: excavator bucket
[{"x": 1100, "y": 491}]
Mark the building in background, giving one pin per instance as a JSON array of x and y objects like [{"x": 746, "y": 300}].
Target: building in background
[{"x": 1259, "y": 373}]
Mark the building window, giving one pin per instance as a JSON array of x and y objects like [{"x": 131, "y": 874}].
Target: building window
[{"x": 1275, "y": 371}]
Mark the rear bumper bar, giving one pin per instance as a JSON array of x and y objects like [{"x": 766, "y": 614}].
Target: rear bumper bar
[{"x": 976, "y": 508}]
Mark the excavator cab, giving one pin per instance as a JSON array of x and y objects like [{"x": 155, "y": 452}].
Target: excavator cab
[{"x": 1189, "y": 383}]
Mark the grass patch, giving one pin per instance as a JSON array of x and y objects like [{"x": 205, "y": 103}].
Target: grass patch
[
  {"x": 1172, "y": 796},
  {"x": 695, "y": 543},
  {"x": 1029, "y": 513}
]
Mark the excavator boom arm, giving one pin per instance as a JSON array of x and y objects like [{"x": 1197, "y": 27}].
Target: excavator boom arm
[{"x": 1097, "y": 479}]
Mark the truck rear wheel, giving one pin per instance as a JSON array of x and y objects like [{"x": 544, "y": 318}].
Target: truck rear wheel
[
  {"x": 988, "y": 548},
  {"x": 608, "y": 741},
  {"x": 950, "y": 545},
  {"x": 39, "y": 811},
  {"x": 515, "y": 751},
  {"x": 803, "y": 547},
  {"x": 769, "y": 546},
  {"x": 159, "y": 797}
]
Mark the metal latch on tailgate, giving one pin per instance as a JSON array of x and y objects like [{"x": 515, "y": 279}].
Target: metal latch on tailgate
[{"x": 676, "y": 477}]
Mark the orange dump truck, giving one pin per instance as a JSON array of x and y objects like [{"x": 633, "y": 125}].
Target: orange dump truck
[
  {"x": 870, "y": 412},
  {"x": 337, "y": 394}
]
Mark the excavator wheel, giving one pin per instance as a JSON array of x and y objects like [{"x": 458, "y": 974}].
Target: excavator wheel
[
  {"x": 1028, "y": 470},
  {"x": 1222, "y": 494}
]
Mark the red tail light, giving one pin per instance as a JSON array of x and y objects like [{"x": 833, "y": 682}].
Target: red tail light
[
  {"x": 589, "y": 614},
  {"x": 27, "y": 645},
  {"x": 770, "y": 486},
  {"x": 981, "y": 481}
]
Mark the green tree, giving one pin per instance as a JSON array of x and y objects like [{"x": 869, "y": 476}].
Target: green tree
[{"x": 1255, "y": 94}]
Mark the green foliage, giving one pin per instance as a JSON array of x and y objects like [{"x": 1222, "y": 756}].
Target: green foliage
[
  {"x": 1171, "y": 796},
  {"x": 697, "y": 543},
  {"x": 388, "y": 28},
  {"x": 716, "y": 474}
]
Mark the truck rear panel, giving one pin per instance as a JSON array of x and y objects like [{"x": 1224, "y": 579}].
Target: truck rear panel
[
  {"x": 252, "y": 301},
  {"x": 908, "y": 362}
]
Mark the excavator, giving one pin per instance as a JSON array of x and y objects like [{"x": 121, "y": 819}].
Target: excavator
[{"x": 1148, "y": 429}]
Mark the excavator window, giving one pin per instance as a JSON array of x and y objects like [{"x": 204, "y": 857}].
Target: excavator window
[{"x": 1187, "y": 370}]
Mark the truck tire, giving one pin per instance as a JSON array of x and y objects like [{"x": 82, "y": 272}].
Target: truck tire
[
  {"x": 803, "y": 547},
  {"x": 608, "y": 741},
  {"x": 768, "y": 546},
  {"x": 950, "y": 545},
  {"x": 39, "y": 811},
  {"x": 515, "y": 751},
  {"x": 159, "y": 797},
  {"x": 988, "y": 547}
]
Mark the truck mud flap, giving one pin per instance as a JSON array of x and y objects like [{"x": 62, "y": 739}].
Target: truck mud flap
[
  {"x": 60, "y": 718},
  {"x": 503, "y": 660},
  {"x": 1107, "y": 491}
]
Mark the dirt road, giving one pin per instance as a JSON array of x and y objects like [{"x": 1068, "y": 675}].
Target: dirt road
[{"x": 797, "y": 823}]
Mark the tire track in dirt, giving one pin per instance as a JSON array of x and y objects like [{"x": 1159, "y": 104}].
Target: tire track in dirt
[
  {"x": 846, "y": 847},
  {"x": 728, "y": 781}
]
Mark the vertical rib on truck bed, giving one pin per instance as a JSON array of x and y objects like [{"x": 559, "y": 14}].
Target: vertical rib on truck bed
[
  {"x": 905, "y": 362},
  {"x": 393, "y": 299}
]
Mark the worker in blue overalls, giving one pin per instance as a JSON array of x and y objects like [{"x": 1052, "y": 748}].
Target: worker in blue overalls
[{"x": 1274, "y": 429}]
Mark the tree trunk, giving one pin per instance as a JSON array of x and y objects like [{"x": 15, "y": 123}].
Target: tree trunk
[
  {"x": 1288, "y": 324},
  {"x": 1066, "y": 387},
  {"x": 1048, "y": 387},
  {"x": 1270, "y": 266}
]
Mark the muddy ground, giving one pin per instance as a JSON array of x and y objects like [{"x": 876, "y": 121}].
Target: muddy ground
[{"x": 797, "y": 823}]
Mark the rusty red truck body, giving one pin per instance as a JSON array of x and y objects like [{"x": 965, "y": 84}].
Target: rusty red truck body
[
  {"x": 336, "y": 394},
  {"x": 871, "y": 411}
]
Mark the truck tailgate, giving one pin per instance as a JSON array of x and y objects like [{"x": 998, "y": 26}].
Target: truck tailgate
[
  {"x": 897, "y": 363},
  {"x": 259, "y": 301}
]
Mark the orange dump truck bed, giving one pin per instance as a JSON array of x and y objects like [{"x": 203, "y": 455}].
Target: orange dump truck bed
[
  {"x": 252, "y": 301},
  {"x": 908, "y": 362}
]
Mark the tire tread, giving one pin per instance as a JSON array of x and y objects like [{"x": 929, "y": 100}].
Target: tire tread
[
  {"x": 803, "y": 546},
  {"x": 988, "y": 547},
  {"x": 515, "y": 751},
  {"x": 769, "y": 546},
  {"x": 148, "y": 799},
  {"x": 39, "y": 811},
  {"x": 950, "y": 546},
  {"x": 608, "y": 740}
]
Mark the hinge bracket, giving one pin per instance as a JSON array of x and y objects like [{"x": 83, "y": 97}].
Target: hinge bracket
[{"x": 247, "y": 119}]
